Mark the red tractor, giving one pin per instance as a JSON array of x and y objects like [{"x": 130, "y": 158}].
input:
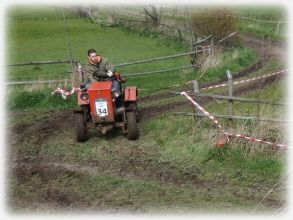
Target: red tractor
[{"x": 98, "y": 107}]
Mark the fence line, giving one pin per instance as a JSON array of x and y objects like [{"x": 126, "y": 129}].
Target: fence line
[
  {"x": 39, "y": 63},
  {"x": 117, "y": 65},
  {"x": 225, "y": 38},
  {"x": 259, "y": 20},
  {"x": 159, "y": 58},
  {"x": 233, "y": 117},
  {"x": 240, "y": 99},
  {"x": 234, "y": 83},
  {"x": 232, "y": 98},
  {"x": 37, "y": 82},
  {"x": 159, "y": 71},
  {"x": 177, "y": 32},
  {"x": 229, "y": 134},
  {"x": 124, "y": 75}
]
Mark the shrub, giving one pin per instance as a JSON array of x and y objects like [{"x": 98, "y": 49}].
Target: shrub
[{"x": 218, "y": 22}]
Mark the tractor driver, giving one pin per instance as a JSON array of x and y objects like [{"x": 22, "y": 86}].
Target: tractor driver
[{"x": 99, "y": 68}]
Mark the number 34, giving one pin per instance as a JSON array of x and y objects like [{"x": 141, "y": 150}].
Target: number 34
[{"x": 102, "y": 111}]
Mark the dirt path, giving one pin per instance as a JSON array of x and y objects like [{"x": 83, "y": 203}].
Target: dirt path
[
  {"x": 266, "y": 51},
  {"x": 265, "y": 48}
]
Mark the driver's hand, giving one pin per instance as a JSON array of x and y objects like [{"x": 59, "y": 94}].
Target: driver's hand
[
  {"x": 84, "y": 86},
  {"x": 110, "y": 73}
]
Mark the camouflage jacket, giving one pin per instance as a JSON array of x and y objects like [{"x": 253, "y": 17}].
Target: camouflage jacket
[{"x": 99, "y": 70}]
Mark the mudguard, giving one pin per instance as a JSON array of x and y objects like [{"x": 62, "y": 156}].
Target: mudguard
[{"x": 130, "y": 93}]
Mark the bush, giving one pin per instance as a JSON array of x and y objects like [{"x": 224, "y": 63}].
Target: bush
[{"x": 218, "y": 22}]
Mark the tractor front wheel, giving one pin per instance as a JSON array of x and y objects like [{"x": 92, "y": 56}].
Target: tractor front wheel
[
  {"x": 80, "y": 126},
  {"x": 132, "y": 128}
]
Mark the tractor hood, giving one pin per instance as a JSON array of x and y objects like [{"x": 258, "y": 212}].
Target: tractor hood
[{"x": 104, "y": 85}]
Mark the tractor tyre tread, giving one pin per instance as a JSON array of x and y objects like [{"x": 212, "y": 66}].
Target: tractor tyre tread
[
  {"x": 80, "y": 126},
  {"x": 132, "y": 128}
]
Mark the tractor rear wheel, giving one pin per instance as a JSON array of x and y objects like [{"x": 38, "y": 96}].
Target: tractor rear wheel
[
  {"x": 132, "y": 128},
  {"x": 80, "y": 126}
]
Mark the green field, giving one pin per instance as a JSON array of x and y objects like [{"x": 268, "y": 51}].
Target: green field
[
  {"x": 31, "y": 40},
  {"x": 174, "y": 167}
]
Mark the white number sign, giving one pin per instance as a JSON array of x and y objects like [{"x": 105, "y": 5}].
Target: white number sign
[{"x": 101, "y": 108}]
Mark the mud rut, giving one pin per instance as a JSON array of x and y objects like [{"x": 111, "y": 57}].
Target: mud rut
[{"x": 135, "y": 159}]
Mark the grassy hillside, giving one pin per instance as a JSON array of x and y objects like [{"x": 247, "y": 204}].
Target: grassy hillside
[{"x": 271, "y": 29}]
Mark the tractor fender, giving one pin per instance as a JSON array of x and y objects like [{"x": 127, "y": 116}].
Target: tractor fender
[{"x": 130, "y": 93}]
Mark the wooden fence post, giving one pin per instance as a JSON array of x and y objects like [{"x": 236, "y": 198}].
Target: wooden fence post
[
  {"x": 77, "y": 74},
  {"x": 196, "y": 91},
  {"x": 278, "y": 27},
  {"x": 230, "y": 94},
  {"x": 179, "y": 33},
  {"x": 193, "y": 56},
  {"x": 212, "y": 47}
]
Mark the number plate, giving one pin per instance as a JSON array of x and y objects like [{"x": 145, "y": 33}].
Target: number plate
[{"x": 101, "y": 108}]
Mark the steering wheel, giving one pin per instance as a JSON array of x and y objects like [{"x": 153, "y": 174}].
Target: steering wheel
[
  {"x": 96, "y": 78},
  {"x": 101, "y": 78}
]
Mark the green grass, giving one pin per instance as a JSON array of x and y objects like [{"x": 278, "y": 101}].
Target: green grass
[
  {"x": 20, "y": 99},
  {"x": 263, "y": 29},
  {"x": 38, "y": 39},
  {"x": 186, "y": 144}
]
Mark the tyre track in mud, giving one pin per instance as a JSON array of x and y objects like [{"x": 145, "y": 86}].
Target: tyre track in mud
[{"x": 48, "y": 171}]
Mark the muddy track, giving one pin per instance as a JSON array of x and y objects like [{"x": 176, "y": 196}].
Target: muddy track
[
  {"x": 136, "y": 168},
  {"x": 265, "y": 48},
  {"x": 36, "y": 133},
  {"x": 47, "y": 172}
]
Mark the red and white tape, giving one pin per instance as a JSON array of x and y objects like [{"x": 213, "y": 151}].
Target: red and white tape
[
  {"x": 246, "y": 80},
  {"x": 237, "y": 82},
  {"x": 65, "y": 93},
  {"x": 228, "y": 134}
]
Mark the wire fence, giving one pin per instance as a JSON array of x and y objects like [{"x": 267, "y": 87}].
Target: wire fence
[
  {"x": 231, "y": 99},
  {"x": 76, "y": 65}
]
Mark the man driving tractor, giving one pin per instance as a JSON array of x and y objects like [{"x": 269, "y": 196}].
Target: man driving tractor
[
  {"x": 101, "y": 100},
  {"x": 100, "y": 68}
]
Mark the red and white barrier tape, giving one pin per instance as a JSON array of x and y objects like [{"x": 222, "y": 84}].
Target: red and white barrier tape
[
  {"x": 237, "y": 82},
  {"x": 65, "y": 93},
  {"x": 246, "y": 80},
  {"x": 227, "y": 134}
]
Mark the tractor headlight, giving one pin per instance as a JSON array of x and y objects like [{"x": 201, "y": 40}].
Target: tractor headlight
[{"x": 84, "y": 96}]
